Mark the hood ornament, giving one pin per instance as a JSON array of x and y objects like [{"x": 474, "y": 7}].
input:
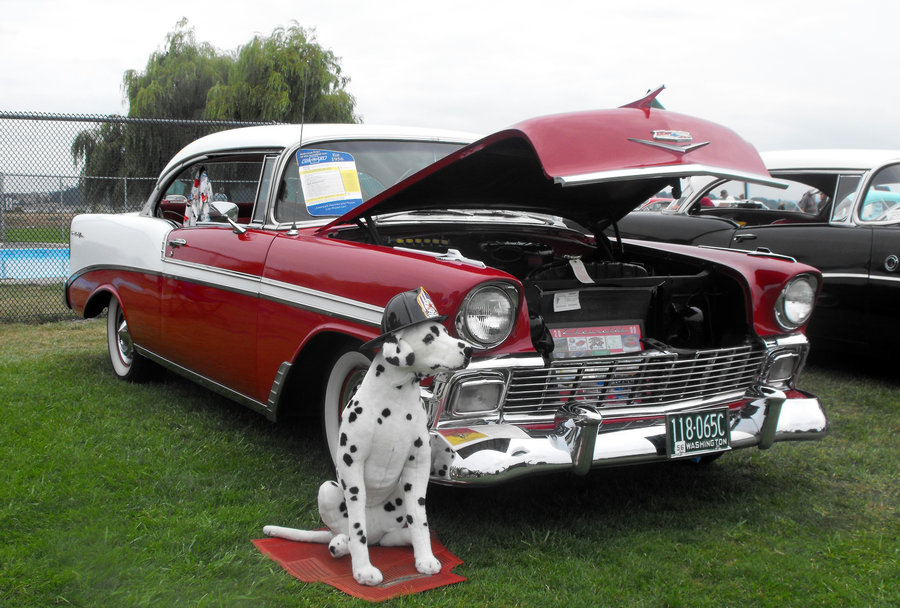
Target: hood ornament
[{"x": 674, "y": 141}]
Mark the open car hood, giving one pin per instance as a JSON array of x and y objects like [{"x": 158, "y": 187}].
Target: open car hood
[{"x": 592, "y": 167}]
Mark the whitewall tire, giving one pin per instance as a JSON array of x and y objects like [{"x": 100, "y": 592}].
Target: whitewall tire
[{"x": 345, "y": 374}]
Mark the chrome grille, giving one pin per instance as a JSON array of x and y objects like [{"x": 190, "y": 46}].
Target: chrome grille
[{"x": 650, "y": 379}]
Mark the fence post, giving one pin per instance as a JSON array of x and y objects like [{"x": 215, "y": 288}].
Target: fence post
[
  {"x": 62, "y": 215},
  {"x": 2, "y": 211}
]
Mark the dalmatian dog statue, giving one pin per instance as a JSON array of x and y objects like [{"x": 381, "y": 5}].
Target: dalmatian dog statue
[{"x": 384, "y": 456}]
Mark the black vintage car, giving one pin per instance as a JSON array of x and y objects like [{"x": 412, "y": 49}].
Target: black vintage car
[{"x": 840, "y": 213}]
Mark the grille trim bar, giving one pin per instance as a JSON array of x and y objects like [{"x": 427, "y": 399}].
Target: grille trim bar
[{"x": 652, "y": 379}]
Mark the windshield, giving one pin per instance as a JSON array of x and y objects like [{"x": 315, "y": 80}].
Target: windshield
[{"x": 375, "y": 165}]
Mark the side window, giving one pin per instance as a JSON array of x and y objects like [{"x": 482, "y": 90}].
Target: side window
[
  {"x": 208, "y": 191},
  {"x": 882, "y": 199},
  {"x": 845, "y": 194},
  {"x": 289, "y": 204},
  {"x": 802, "y": 200},
  {"x": 265, "y": 182}
]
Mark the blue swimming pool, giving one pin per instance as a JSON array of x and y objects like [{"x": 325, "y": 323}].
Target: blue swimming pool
[{"x": 27, "y": 263}]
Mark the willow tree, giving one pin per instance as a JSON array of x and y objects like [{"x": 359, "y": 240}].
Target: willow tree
[
  {"x": 174, "y": 85},
  {"x": 284, "y": 77},
  {"x": 99, "y": 153}
]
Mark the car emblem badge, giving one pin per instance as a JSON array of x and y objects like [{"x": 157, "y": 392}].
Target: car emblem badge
[
  {"x": 674, "y": 141},
  {"x": 681, "y": 137}
]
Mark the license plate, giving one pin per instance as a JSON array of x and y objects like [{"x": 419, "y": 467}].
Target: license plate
[{"x": 694, "y": 433}]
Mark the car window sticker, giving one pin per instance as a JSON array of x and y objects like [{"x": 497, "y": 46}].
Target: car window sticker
[{"x": 330, "y": 182}]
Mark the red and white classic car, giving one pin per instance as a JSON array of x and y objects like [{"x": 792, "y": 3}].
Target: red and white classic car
[{"x": 265, "y": 256}]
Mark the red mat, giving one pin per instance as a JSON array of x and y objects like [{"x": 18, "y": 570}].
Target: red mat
[{"x": 312, "y": 563}]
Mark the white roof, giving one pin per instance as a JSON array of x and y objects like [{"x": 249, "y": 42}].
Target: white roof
[
  {"x": 270, "y": 137},
  {"x": 781, "y": 160}
]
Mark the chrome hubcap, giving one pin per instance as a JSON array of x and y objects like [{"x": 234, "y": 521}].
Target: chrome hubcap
[
  {"x": 126, "y": 346},
  {"x": 351, "y": 385}
]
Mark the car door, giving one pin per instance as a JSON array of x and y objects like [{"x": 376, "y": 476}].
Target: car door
[
  {"x": 212, "y": 281},
  {"x": 880, "y": 214}
]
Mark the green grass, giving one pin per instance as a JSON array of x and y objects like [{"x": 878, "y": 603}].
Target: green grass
[
  {"x": 33, "y": 302},
  {"x": 148, "y": 495},
  {"x": 59, "y": 234}
]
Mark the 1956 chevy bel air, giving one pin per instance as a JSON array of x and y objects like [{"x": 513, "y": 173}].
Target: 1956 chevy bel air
[{"x": 263, "y": 260}]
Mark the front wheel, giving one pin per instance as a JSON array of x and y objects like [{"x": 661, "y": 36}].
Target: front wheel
[
  {"x": 345, "y": 374},
  {"x": 126, "y": 362}
]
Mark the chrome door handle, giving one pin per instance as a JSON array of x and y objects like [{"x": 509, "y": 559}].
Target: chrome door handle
[
  {"x": 744, "y": 237},
  {"x": 177, "y": 242}
]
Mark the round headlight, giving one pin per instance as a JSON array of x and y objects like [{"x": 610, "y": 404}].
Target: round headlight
[
  {"x": 795, "y": 304},
  {"x": 487, "y": 315}
]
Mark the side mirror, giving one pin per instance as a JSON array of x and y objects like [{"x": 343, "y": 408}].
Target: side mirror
[{"x": 222, "y": 211}]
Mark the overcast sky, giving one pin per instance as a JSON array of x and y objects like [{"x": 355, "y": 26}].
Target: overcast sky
[{"x": 783, "y": 74}]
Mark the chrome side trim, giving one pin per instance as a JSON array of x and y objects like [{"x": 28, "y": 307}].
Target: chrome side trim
[
  {"x": 859, "y": 276},
  {"x": 210, "y": 276},
  {"x": 320, "y": 301},
  {"x": 666, "y": 171},
  {"x": 258, "y": 287},
  {"x": 207, "y": 383},
  {"x": 277, "y": 387}
]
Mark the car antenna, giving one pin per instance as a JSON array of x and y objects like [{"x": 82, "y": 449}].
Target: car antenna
[{"x": 293, "y": 230}]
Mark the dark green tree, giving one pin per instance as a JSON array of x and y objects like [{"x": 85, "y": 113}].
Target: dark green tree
[
  {"x": 177, "y": 78},
  {"x": 283, "y": 78},
  {"x": 99, "y": 152},
  {"x": 286, "y": 77}
]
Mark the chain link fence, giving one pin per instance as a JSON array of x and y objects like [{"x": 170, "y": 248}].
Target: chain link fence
[{"x": 55, "y": 166}]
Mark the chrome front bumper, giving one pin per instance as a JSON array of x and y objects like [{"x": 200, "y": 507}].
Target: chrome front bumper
[{"x": 487, "y": 454}]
